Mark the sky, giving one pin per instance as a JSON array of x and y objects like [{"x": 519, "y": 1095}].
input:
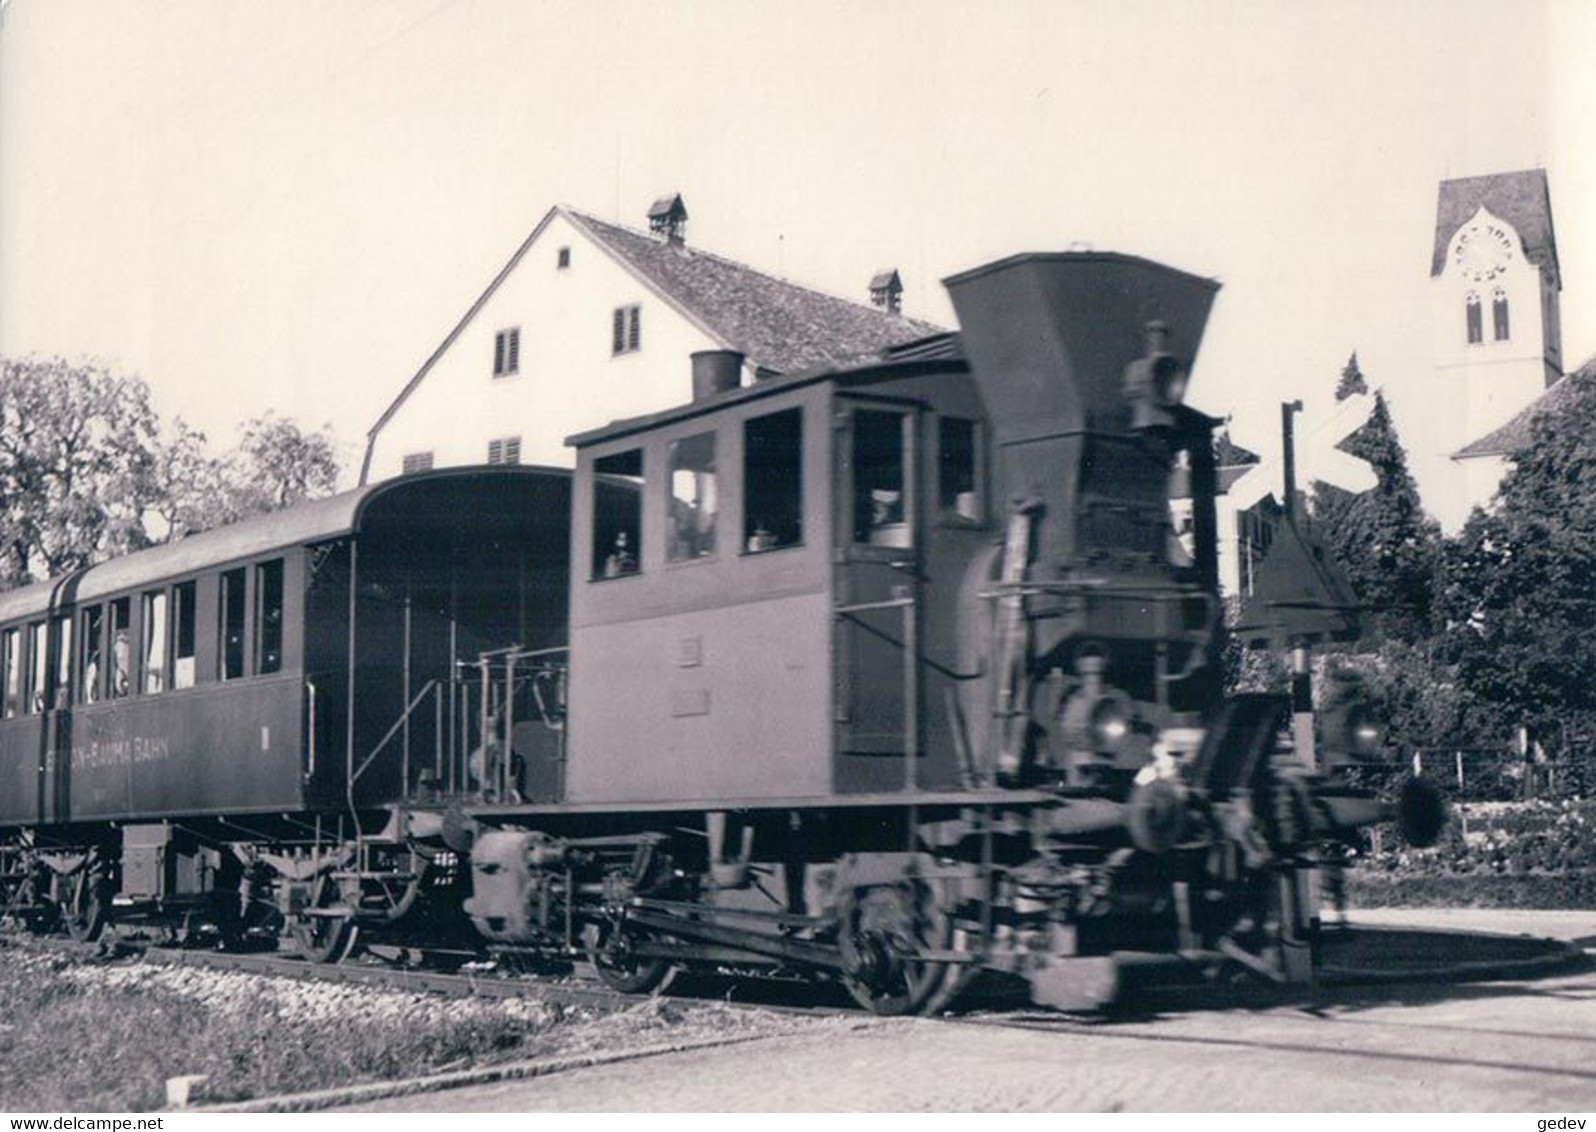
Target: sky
[{"x": 287, "y": 206}]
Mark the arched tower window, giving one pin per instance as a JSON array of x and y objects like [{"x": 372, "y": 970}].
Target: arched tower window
[
  {"x": 1471, "y": 310},
  {"x": 1499, "y": 315}
]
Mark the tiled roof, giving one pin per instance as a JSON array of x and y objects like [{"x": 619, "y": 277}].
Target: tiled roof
[
  {"x": 781, "y": 326},
  {"x": 1515, "y": 433},
  {"x": 1522, "y": 199},
  {"x": 1229, "y": 454}
]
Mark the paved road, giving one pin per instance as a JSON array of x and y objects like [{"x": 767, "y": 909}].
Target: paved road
[{"x": 1511, "y": 1046}]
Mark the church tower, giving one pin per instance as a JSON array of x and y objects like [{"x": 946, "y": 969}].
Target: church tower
[{"x": 1498, "y": 342}]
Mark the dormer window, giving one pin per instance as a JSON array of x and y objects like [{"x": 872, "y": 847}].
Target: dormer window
[
  {"x": 1499, "y": 323},
  {"x": 1471, "y": 314},
  {"x": 507, "y": 352}
]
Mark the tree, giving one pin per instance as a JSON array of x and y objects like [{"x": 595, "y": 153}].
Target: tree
[
  {"x": 1382, "y": 537},
  {"x": 277, "y": 465},
  {"x": 77, "y": 455},
  {"x": 1351, "y": 379},
  {"x": 87, "y": 472},
  {"x": 1518, "y": 586}
]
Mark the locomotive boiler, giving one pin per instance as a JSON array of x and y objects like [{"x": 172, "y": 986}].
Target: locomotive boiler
[{"x": 894, "y": 672}]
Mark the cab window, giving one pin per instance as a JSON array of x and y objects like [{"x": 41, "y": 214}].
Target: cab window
[
  {"x": 155, "y": 627},
  {"x": 269, "y": 616},
  {"x": 694, "y": 498},
  {"x": 617, "y": 513},
  {"x": 958, "y": 495},
  {"x": 62, "y": 694},
  {"x": 880, "y": 499},
  {"x": 39, "y": 669},
  {"x": 230, "y": 626},
  {"x": 91, "y": 676},
  {"x": 121, "y": 647},
  {"x": 183, "y": 635},
  {"x": 773, "y": 481},
  {"x": 11, "y": 660}
]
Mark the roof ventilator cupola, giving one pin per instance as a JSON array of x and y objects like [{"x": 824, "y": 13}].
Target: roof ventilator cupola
[
  {"x": 886, "y": 290},
  {"x": 667, "y": 217}
]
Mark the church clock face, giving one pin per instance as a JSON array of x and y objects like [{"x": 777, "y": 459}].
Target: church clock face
[{"x": 1483, "y": 252}]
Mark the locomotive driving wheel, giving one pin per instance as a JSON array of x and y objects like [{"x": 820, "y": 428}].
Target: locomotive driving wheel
[
  {"x": 609, "y": 949},
  {"x": 325, "y": 930},
  {"x": 887, "y": 935},
  {"x": 86, "y": 904}
]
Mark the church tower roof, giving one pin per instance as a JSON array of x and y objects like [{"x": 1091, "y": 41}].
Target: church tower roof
[{"x": 1522, "y": 199}]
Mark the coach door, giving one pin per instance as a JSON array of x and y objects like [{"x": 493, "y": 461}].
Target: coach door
[
  {"x": 48, "y": 694},
  {"x": 877, "y": 620}
]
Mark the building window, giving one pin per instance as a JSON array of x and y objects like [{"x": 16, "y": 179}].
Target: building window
[
  {"x": 617, "y": 513},
  {"x": 121, "y": 647},
  {"x": 958, "y": 496},
  {"x": 91, "y": 684},
  {"x": 269, "y": 616},
  {"x": 626, "y": 332},
  {"x": 1471, "y": 310},
  {"x": 11, "y": 661},
  {"x": 1499, "y": 315},
  {"x": 564, "y": 259},
  {"x": 183, "y": 636},
  {"x": 507, "y": 352},
  {"x": 694, "y": 498},
  {"x": 773, "y": 481},
  {"x": 416, "y": 462},
  {"x": 506, "y": 451},
  {"x": 231, "y": 628},
  {"x": 880, "y": 501}
]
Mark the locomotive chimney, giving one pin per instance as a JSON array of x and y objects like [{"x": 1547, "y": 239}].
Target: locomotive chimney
[
  {"x": 715, "y": 371},
  {"x": 1059, "y": 348}
]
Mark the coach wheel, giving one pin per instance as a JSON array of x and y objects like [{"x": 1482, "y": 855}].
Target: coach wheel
[
  {"x": 87, "y": 903},
  {"x": 610, "y": 951},
  {"x": 325, "y": 931},
  {"x": 886, "y": 934}
]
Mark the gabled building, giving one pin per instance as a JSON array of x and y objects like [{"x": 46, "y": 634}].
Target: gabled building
[
  {"x": 1495, "y": 283},
  {"x": 591, "y": 321}
]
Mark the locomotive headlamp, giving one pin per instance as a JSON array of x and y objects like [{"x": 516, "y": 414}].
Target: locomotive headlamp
[
  {"x": 1352, "y": 729},
  {"x": 1110, "y": 725}
]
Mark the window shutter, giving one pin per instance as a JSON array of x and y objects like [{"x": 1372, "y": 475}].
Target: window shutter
[
  {"x": 495, "y": 451},
  {"x": 634, "y": 333},
  {"x": 498, "y": 354},
  {"x": 512, "y": 450},
  {"x": 513, "y": 363},
  {"x": 618, "y": 331}
]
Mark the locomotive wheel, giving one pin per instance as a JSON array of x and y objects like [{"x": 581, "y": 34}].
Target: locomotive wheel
[
  {"x": 611, "y": 955},
  {"x": 885, "y": 931},
  {"x": 85, "y": 909},
  {"x": 325, "y": 938}
]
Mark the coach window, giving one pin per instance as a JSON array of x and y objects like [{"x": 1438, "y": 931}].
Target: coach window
[
  {"x": 121, "y": 647},
  {"x": 38, "y": 668},
  {"x": 233, "y": 609},
  {"x": 958, "y": 495},
  {"x": 155, "y": 642},
  {"x": 773, "y": 481},
  {"x": 11, "y": 661},
  {"x": 61, "y": 696},
  {"x": 92, "y": 674},
  {"x": 694, "y": 498},
  {"x": 183, "y": 635},
  {"x": 617, "y": 513},
  {"x": 880, "y": 501},
  {"x": 269, "y": 616}
]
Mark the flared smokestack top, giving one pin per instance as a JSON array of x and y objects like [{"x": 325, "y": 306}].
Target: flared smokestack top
[
  {"x": 1049, "y": 335},
  {"x": 1081, "y": 360}
]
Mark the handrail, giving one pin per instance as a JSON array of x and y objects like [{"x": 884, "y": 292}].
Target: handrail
[
  {"x": 392, "y": 731},
  {"x": 310, "y": 771}
]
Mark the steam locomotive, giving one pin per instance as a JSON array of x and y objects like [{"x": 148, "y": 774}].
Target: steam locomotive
[{"x": 892, "y": 673}]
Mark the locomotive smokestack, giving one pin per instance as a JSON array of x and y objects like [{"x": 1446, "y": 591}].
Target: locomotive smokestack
[
  {"x": 715, "y": 371},
  {"x": 1058, "y": 345}
]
